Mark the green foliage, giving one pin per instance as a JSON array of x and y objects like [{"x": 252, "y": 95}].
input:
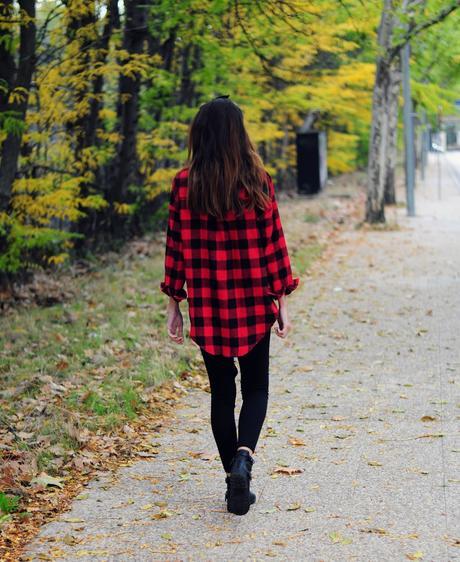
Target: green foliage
[
  {"x": 281, "y": 62},
  {"x": 30, "y": 246},
  {"x": 8, "y": 503},
  {"x": 436, "y": 68},
  {"x": 11, "y": 123}
]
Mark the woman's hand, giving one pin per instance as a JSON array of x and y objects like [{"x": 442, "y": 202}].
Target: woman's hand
[
  {"x": 284, "y": 325},
  {"x": 175, "y": 322}
]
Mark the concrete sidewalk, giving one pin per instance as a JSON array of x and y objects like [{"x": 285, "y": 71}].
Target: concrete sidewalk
[{"x": 362, "y": 427}]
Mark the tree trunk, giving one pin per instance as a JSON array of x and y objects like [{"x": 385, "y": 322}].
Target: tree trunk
[
  {"x": 112, "y": 21},
  {"x": 21, "y": 83},
  {"x": 393, "y": 103},
  {"x": 382, "y": 143},
  {"x": 91, "y": 122},
  {"x": 124, "y": 170},
  {"x": 80, "y": 127},
  {"x": 284, "y": 156},
  {"x": 158, "y": 45},
  {"x": 380, "y": 129}
]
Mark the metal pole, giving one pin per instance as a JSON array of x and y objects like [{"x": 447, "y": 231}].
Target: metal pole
[
  {"x": 424, "y": 146},
  {"x": 439, "y": 176},
  {"x": 439, "y": 152},
  {"x": 408, "y": 132}
]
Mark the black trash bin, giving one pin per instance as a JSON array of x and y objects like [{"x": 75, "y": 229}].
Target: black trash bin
[{"x": 311, "y": 162}]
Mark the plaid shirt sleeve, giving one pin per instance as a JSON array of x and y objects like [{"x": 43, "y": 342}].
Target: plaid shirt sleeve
[
  {"x": 278, "y": 263},
  {"x": 174, "y": 269}
]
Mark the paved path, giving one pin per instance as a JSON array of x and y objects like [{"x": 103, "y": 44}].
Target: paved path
[{"x": 364, "y": 403}]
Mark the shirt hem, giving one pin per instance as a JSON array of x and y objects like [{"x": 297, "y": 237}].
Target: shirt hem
[{"x": 260, "y": 336}]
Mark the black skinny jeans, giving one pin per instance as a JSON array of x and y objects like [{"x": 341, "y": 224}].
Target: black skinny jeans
[{"x": 222, "y": 371}]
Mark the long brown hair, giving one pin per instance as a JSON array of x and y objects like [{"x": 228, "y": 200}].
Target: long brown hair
[{"x": 221, "y": 159}]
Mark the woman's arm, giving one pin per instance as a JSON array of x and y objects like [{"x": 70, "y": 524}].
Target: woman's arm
[
  {"x": 174, "y": 270},
  {"x": 281, "y": 280},
  {"x": 278, "y": 263},
  {"x": 284, "y": 323}
]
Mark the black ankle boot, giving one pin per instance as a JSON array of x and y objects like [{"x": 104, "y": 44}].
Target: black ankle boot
[
  {"x": 239, "y": 497},
  {"x": 252, "y": 496}
]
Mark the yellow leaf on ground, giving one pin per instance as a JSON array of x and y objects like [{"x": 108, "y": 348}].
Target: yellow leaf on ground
[
  {"x": 415, "y": 555},
  {"x": 337, "y": 537},
  {"x": 293, "y": 507}
]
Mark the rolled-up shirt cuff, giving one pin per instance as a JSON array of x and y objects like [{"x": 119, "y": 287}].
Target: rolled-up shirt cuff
[
  {"x": 177, "y": 294},
  {"x": 286, "y": 289}
]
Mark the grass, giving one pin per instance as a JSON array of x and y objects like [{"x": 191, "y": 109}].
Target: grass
[
  {"x": 8, "y": 503},
  {"x": 305, "y": 255},
  {"x": 87, "y": 363},
  {"x": 311, "y": 218}
]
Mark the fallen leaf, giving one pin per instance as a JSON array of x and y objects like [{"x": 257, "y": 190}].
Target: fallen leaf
[
  {"x": 99, "y": 552},
  {"x": 296, "y": 442},
  {"x": 293, "y": 507},
  {"x": 376, "y": 530},
  {"x": 45, "y": 480},
  {"x": 337, "y": 537},
  {"x": 70, "y": 540},
  {"x": 287, "y": 470},
  {"x": 162, "y": 514},
  {"x": 306, "y": 368},
  {"x": 415, "y": 555}
]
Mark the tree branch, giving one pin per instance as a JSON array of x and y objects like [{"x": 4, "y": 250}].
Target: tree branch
[{"x": 418, "y": 28}]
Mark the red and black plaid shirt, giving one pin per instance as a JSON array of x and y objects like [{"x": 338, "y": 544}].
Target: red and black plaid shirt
[{"x": 234, "y": 268}]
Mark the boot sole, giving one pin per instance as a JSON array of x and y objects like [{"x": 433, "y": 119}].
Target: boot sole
[{"x": 238, "y": 497}]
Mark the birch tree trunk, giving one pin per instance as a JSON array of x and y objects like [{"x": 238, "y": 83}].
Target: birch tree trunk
[
  {"x": 393, "y": 110},
  {"x": 380, "y": 129},
  {"x": 383, "y": 137}
]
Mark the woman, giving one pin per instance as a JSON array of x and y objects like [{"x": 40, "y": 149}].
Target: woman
[{"x": 225, "y": 240}]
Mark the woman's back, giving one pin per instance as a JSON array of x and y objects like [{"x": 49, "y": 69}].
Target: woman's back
[{"x": 234, "y": 267}]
